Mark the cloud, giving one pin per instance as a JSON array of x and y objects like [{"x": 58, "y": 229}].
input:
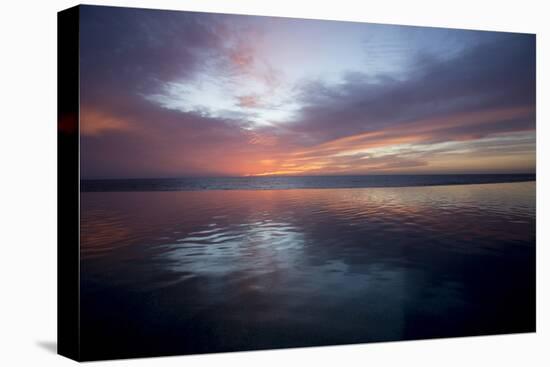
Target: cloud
[
  {"x": 94, "y": 122},
  {"x": 248, "y": 101},
  {"x": 184, "y": 94},
  {"x": 491, "y": 75},
  {"x": 127, "y": 52},
  {"x": 459, "y": 140}
]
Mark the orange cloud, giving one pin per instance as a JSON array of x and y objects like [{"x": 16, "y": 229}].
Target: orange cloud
[
  {"x": 242, "y": 57},
  {"x": 350, "y": 154},
  {"x": 248, "y": 101},
  {"x": 94, "y": 122}
]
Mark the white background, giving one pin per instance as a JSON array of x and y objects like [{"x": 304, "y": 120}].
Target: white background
[{"x": 28, "y": 183}]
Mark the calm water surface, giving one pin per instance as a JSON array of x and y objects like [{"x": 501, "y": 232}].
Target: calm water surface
[
  {"x": 295, "y": 182},
  {"x": 209, "y": 271}
]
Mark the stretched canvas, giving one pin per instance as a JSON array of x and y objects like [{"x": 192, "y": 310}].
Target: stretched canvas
[{"x": 235, "y": 182}]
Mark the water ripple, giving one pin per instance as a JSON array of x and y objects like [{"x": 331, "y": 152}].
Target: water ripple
[{"x": 326, "y": 262}]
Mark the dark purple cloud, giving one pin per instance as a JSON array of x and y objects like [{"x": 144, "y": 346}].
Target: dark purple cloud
[{"x": 493, "y": 75}]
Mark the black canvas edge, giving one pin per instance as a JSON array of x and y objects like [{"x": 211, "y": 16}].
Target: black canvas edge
[{"x": 68, "y": 184}]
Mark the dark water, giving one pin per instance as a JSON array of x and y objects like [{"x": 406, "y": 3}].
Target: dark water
[
  {"x": 297, "y": 182},
  {"x": 210, "y": 271}
]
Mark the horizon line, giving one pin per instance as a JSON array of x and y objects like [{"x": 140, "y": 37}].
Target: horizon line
[{"x": 298, "y": 176}]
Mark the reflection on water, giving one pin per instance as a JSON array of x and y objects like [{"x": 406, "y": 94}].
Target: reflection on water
[{"x": 209, "y": 271}]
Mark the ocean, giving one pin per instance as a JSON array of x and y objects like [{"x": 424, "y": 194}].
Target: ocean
[
  {"x": 216, "y": 268},
  {"x": 295, "y": 182}
]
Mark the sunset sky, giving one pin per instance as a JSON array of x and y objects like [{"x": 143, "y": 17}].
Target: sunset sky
[{"x": 169, "y": 94}]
